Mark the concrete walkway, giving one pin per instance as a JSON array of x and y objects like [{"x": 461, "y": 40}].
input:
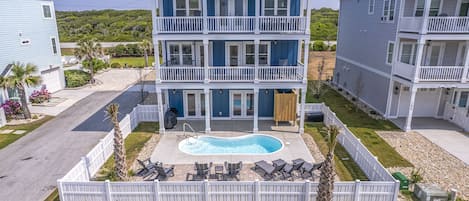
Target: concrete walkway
[{"x": 442, "y": 133}]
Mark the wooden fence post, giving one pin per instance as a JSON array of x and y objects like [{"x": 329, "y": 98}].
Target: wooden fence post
[
  {"x": 84, "y": 161},
  {"x": 307, "y": 190},
  {"x": 257, "y": 189},
  {"x": 356, "y": 194},
  {"x": 206, "y": 194},
  {"x": 156, "y": 190},
  {"x": 107, "y": 190}
]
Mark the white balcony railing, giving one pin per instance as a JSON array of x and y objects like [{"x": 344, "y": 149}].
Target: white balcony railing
[
  {"x": 230, "y": 24},
  {"x": 182, "y": 74},
  {"x": 441, "y": 73},
  {"x": 179, "y": 24},
  {"x": 232, "y": 74},
  {"x": 280, "y": 73},
  {"x": 281, "y": 23},
  {"x": 435, "y": 24}
]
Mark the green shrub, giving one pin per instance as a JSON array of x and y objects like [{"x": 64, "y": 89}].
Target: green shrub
[
  {"x": 319, "y": 45},
  {"x": 333, "y": 47},
  {"x": 98, "y": 65},
  {"x": 116, "y": 65},
  {"x": 76, "y": 78}
]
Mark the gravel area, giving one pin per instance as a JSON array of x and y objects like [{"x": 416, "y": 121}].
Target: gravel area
[
  {"x": 438, "y": 166},
  {"x": 146, "y": 152}
]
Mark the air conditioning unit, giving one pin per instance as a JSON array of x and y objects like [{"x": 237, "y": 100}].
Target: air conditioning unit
[{"x": 430, "y": 192}]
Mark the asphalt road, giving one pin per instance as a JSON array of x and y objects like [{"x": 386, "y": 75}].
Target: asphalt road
[{"x": 30, "y": 167}]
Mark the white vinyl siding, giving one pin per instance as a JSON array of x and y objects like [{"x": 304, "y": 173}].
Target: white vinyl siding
[
  {"x": 389, "y": 53},
  {"x": 388, "y": 10},
  {"x": 371, "y": 7}
]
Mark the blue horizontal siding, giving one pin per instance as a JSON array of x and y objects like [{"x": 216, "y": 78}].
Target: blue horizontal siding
[
  {"x": 218, "y": 47},
  {"x": 284, "y": 49},
  {"x": 176, "y": 101},
  {"x": 266, "y": 103},
  {"x": 220, "y": 103}
]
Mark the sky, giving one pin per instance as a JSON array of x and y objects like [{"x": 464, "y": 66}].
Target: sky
[{"x": 78, "y": 5}]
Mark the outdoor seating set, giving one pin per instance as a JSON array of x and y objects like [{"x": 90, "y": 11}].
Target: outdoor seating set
[
  {"x": 152, "y": 171},
  {"x": 221, "y": 172},
  {"x": 280, "y": 169}
]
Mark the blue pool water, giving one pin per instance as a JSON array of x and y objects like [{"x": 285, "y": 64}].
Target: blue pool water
[{"x": 248, "y": 144}]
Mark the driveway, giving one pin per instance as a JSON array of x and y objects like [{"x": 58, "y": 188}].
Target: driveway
[
  {"x": 444, "y": 134},
  {"x": 30, "y": 167}
]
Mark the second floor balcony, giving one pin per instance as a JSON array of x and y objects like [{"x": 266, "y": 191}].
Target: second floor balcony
[
  {"x": 232, "y": 24},
  {"x": 217, "y": 74}
]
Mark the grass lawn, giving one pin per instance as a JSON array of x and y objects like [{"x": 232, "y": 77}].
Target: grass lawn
[
  {"x": 67, "y": 51},
  {"x": 133, "y": 145},
  {"x": 363, "y": 127},
  {"x": 6, "y": 139},
  {"x": 347, "y": 170},
  {"x": 133, "y": 61}
]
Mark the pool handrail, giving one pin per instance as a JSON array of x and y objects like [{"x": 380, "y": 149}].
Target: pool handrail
[{"x": 184, "y": 129}]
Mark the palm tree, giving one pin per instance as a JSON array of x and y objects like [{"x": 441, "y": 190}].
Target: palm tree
[
  {"x": 21, "y": 76},
  {"x": 326, "y": 180},
  {"x": 112, "y": 110},
  {"x": 88, "y": 50},
  {"x": 146, "y": 46}
]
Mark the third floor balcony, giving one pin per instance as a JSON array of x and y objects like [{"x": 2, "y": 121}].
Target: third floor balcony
[
  {"x": 232, "y": 16},
  {"x": 435, "y": 16}
]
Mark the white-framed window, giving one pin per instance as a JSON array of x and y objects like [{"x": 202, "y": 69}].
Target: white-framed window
[
  {"x": 54, "y": 45},
  {"x": 408, "y": 53},
  {"x": 47, "y": 11},
  {"x": 276, "y": 7},
  {"x": 264, "y": 54},
  {"x": 187, "y": 7},
  {"x": 389, "y": 52},
  {"x": 388, "y": 10},
  {"x": 463, "y": 99},
  {"x": 180, "y": 54},
  {"x": 434, "y": 7},
  {"x": 371, "y": 7}
]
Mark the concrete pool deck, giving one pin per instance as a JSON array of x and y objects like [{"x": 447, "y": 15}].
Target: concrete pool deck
[{"x": 167, "y": 150}]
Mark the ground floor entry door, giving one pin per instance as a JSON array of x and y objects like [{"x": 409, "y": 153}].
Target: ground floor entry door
[
  {"x": 194, "y": 104},
  {"x": 241, "y": 104}
]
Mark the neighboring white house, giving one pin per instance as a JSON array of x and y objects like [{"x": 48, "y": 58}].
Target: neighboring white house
[
  {"x": 28, "y": 34},
  {"x": 226, "y": 59},
  {"x": 412, "y": 56}
]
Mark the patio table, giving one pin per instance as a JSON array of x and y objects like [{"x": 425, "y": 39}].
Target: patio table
[{"x": 219, "y": 171}]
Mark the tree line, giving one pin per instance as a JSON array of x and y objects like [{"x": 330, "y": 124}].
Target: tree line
[{"x": 136, "y": 25}]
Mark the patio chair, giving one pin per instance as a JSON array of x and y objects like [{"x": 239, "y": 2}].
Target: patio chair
[
  {"x": 202, "y": 170},
  {"x": 297, "y": 163},
  {"x": 307, "y": 170},
  {"x": 233, "y": 170},
  {"x": 163, "y": 172},
  {"x": 146, "y": 167},
  {"x": 287, "y": 172},
  {"x": 278, "y": 164},
  {"x": 266, "y": 168}
]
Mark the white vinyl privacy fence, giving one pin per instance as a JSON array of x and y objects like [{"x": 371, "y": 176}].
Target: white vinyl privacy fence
[{"x": 76, "y": 184}]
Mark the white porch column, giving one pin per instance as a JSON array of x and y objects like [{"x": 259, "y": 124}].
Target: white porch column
[
  {"x": 157, "y": 60},
  {"x": 206, "y": 80},
  {"x": 418, "y": 58},
  {"x": 256, "y": 60},
  {"x": 160, "y": 109},
  {"x": 305, "y": 62},
  {"x": 207, "y": 110},
  {"x": 153, "y": 15},
  {"x": 308, "y": 17},
  {"x": 408, "y": 123},
  {"x": 302, "y": 110},
  {"x": 204, "y": 13},
  {"x": 426, "y": 13},
  {"x": 256, "y": 110},
  {"x": 257, "y": 9},
  {"x": 395, "y": 59},
  {"x": 465, "y": 74}
]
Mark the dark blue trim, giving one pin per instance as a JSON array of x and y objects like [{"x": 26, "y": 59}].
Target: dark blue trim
[
  {"x": 176, "y": 101},
  {"x": 220, "y": 103},
  {"x": 266, "y": 103}
]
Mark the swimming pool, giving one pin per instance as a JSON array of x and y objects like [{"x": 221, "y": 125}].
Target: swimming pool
[{"x": 243, "y": 145}]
